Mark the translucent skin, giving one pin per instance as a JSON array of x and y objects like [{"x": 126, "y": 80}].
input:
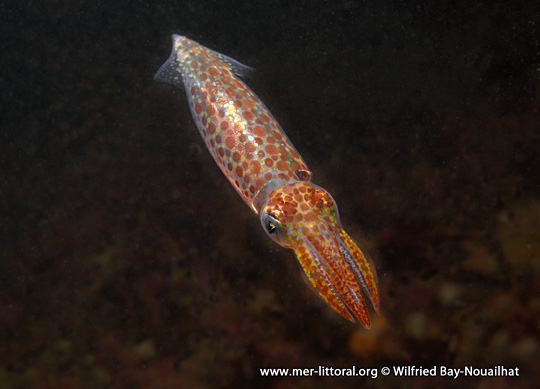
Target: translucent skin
[
  {"x": 263, "y": 166},
  {"x": 245, "y": 140}
]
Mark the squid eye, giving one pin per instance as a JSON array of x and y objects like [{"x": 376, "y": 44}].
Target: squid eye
[
  {"x": 270, "y": 227},
  {"x": 271, "y": 223},
  {"x": 275, "y": 228}
]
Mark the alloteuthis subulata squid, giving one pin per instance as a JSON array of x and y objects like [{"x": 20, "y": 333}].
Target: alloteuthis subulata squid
[{"x": 263, "y": 166}]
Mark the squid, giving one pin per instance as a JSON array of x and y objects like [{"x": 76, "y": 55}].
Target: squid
[{"x": 261, "y": 163}]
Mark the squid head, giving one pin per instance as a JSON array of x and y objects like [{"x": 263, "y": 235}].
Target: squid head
[{"x": 304, "y": 217}]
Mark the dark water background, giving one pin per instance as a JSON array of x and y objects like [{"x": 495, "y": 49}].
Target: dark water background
[{"x": 128, "y": 261}]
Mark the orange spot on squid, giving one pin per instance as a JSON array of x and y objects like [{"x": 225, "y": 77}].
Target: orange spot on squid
[
  {"x": 310, "y": 217},
  {"x": 230, "y": 142},
  {"x": 282, "y": 165},
  {"x": 239, "y": 171},
  {"x": 223, "y": 125},
  {"x": 247, "y": 115},
  {"x": 236, "y": 157},
  {"x": 259, "y": 131},
  {"x": 250, "y": 147},
  {"x": 255, "y": 167},
  {"x": 268, "y": 162},
  {"x": 271, "y": 149},
  {"x": 238, "y": 127}
]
